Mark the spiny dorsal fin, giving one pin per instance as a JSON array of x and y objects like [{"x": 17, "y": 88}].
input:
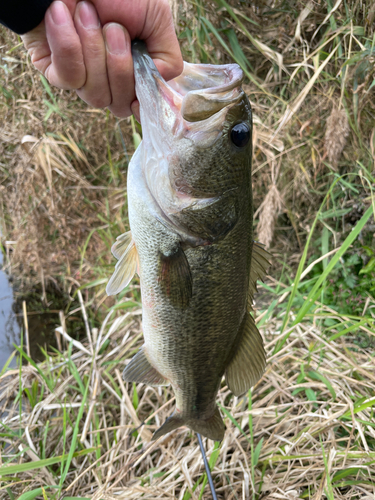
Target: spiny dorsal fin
[
  {"x": 126, "y": 267},
  {"x": 121, "y": 244},
  {"x": 259, "y": 265},
  {"x": 249, "y": 360},
  {"x": 140, "y": 370}
]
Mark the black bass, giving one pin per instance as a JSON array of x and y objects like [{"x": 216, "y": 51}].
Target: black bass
[{"x": 191, "y": 240}]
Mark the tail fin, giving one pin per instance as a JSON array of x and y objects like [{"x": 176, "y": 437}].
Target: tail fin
[{"x": 212, "y": 428}]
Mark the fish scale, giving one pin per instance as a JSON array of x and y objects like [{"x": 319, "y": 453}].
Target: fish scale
[{"x": 191, "y": 240}]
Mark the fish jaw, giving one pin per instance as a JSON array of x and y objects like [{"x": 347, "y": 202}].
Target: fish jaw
[
  {"x": 159, "y": 104},
  {"x": 181, "y": 120}
]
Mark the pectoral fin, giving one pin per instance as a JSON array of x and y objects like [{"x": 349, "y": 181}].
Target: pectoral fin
[
  {"x": 122, "y": 242},
  {"x": 175, "y": 277},
  {"x": 249, "y": 360},
  {"x": 140, "y": 370},
  {"x": 125, "y": 250}
]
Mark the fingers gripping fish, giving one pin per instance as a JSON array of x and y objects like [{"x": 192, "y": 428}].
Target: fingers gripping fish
[{"x": 191, "y": 240}]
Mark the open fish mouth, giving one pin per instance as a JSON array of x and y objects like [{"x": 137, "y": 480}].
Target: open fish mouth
[
  {"x": 201, "y": 91},
  {"x": 186, "y": 124}
]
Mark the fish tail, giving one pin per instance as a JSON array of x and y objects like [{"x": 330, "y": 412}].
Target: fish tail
[{"x": 212, "y": 428}]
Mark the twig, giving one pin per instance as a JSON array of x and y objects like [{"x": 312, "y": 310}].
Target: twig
[
  {"x": 86, "y": 321},
  {"x": 207, "y": 467},
  {"x": 26, "y": 327}
]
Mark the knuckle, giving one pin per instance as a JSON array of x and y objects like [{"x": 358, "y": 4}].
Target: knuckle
[
  {"x": 99, "y": 102},
  {"x": 119, "y": 111},
  {"x": 95, "y": 51},
  {"x": 94, "y": 100},
  {"x": 69, "y": 49},
  {"x": 63, "y": 81}
]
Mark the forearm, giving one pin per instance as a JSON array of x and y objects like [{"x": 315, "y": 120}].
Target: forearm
[{"x": 22, "y": 16}]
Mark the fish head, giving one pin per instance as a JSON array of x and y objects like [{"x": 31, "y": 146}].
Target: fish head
[{"x": 197, "y": 132}]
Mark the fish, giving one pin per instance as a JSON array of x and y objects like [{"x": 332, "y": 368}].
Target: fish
[{"x": 191, "y": 240}]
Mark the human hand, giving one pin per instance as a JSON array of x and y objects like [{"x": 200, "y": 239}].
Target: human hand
[{"x": 86, "y": 46}]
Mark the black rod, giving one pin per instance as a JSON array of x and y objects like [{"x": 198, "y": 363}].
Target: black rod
[{"x": 207, "y": 467}]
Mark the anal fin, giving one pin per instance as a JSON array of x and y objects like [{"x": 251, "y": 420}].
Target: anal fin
[
  {"x": 175, "y": 277},
  {"x": 249, "y": 360},
  {"x": 125, "y": 250},
  {"x": 140, "y": 370}
]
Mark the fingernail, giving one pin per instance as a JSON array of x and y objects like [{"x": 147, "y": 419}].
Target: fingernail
[
  {"x": 115, "y": 39},
  {"x": 88, "y": 15},
  {"x": 60, "y": 13}
]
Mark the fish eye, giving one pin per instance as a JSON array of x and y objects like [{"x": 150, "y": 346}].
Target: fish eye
[{"x": 240, "y": 134}]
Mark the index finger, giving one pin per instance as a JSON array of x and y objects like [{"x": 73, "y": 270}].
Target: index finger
[
  {"x": 162, "y": 43},
  {"x": 150, "y": 21}
]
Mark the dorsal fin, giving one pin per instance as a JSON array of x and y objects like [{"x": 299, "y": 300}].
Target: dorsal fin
[
  {"x": 258, "y": 269},
  {"x": 249, "y": 360}
]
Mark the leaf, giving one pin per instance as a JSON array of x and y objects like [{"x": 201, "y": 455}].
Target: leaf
[
  {"x": 310, "y": 394},
  {"x": 350, "y": 281},
  {"x": 30, "y": 495},
  {"x": 6, "y": 470},
  {"x": 137, "y": 139},
  {"x": 318, "y": 376},
  {"x": 75, "y": 432},
  {"x": 135, "y": 396},
  {"x": 334, "y": 212},
  {"x": 335, "y": 259},
  {"x": 368, "y": 267},
  {"x": 358, "y": 408},
  {"x": 11, "y": 496},
  {"x": 346, "y": 472},
  {"x": 234, "y": 421},
  {"x": 257, "y": 452}
]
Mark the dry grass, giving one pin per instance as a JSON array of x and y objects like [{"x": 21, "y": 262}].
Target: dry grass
[
  {"x": 336, "y": 134},
  {"x": 268, "y": 213},
  {"x": 63, "y": 177},
  {"x": 309, "y": 425}
]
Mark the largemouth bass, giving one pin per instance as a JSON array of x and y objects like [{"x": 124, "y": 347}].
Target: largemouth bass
[{"x": 191, "y": 240}]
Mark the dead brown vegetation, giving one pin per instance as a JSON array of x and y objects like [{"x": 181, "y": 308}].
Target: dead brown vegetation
[{"x": 310, "y": 447}]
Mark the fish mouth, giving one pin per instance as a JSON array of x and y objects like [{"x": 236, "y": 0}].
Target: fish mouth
[
  {"x": 185, "y": 115},
  {"x": 201, "y": 91}
]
